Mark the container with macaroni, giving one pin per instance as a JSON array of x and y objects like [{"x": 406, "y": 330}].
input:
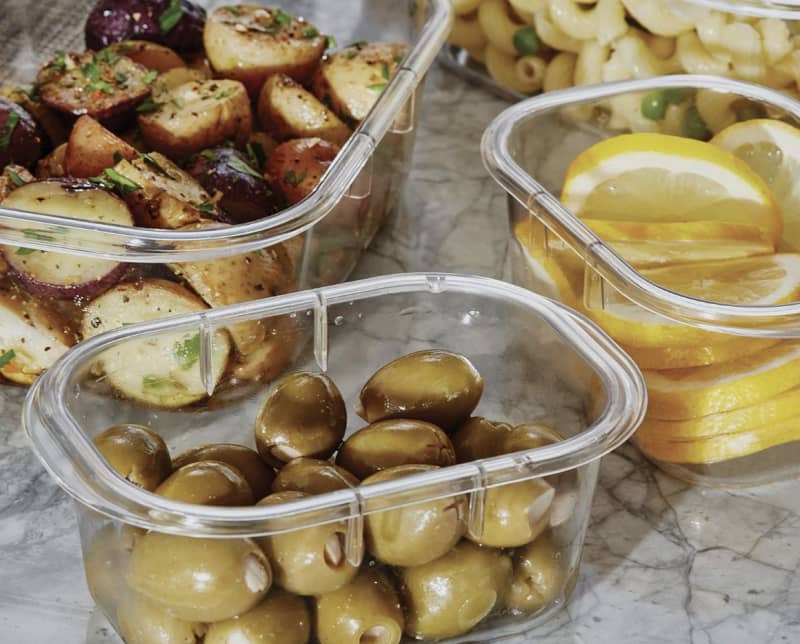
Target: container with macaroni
[{"x": 681, "y": 241}]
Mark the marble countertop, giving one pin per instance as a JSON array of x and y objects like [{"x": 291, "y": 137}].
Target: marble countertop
[{"x": 663, "y": 561}]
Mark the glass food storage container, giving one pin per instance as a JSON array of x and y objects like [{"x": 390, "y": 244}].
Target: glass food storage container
[
  {"x": 516, "y": 48},
  {"x": 56, "y": 267},
  {"x": 541, "y": 363},
  {"x": 720, "y": 371}
]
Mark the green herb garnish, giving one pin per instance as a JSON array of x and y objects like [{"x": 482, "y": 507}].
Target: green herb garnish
[
  {"x": 120, "y": 77},
  {"x": 256, "y": 154},
  {"x": 399, "y": 58},
  {"x": 153, "y": 382},
  {"x": 377, "y": 87},
  {"x": 210, "y": 155},
  {"x": 172, "y": 16},
  {"x": 148, "y": 105},
  {"x": 91, "y": 71},
  {"x": 281, "y": 18},
  {"x": 31, "y": 233},
  {"x": 113, "y": 180},
  {"x": 187, "y": 353},
  {"x": 293, "y": 179},
  {"x": 331, "y": 42},
  {"x": 7, "y": 357},
  {"x": 12, "y": 120},
  {"x": 149, "y": 160},
  {"x": 15, "y": 178},
  {"x": 25, "y": 251},
  {"x": 149, "y": 77},
  {"x": 385, "y": 71},
  {"x": 207, "y": 208},
  {"x": 225, "y": 93},
  {"x": 59, "y": 63},
  {"x": 310, "y": 32},
  {"x": 236, "y": 163},
  {"x": 32, "y": 93},
  {"x": 106, "y": 56}
]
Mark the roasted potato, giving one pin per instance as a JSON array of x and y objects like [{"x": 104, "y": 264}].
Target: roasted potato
[
  {"x": 288, "y": 111},
  {"x": 52, "y": 166},
  {"x": 198, "y": 115},
  {"x": 259, "y": 147},
  {"x": 148, "y": 54},
  {"x": 20, "y": 136},
  {"x": 58, "y": 275},
  {"x": 92, "y": 148},
  {"x": 13, "y": 177},
  {"x": 174, "y": 78},
  {"x": 178, "y": 25},
  {"x": 250, "y": 43},
  {"x": 104, "y": 85},
  {"x": 246, "y": 195},
  {"x": 51, "y": 122},
  {"x": 164, "y": 370},
  {"x": 351, "y": 80},
  {"x": 161, "y": 195},
  {"x": 295, "y": 167}
]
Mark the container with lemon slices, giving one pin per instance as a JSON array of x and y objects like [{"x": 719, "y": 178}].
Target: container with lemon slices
[{"x": 685, "y": 249}]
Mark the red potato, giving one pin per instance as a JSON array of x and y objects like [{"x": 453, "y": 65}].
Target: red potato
[
  {"x": 295, "y": 167},
  {"x": 59, "y": 275},
  {"x": 92, "y": 148},
  {"x": 148, "y": 54},
  {"x": 20, "y": 137},
  {"x": 52, "y": 123},
  {"x": 52, "y": 166}
]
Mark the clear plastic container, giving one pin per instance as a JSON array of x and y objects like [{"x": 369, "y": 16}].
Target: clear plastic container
[
  {"x": 528, "y": 150},
  {"x": 323, "y": 235},
  {"x": 541, "y": 363}
]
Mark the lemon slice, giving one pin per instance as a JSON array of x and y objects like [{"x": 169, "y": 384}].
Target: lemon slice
[
  {"x": 684, "y": 356},
  {"x": 649, "y": 177},
  {"x": 683, "y": 394},
  {"x": 772, "y": 149},
  {"x": 753, "y": 281}
]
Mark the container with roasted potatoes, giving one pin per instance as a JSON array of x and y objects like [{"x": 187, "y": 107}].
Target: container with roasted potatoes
[{"x": 422, "y": 470}]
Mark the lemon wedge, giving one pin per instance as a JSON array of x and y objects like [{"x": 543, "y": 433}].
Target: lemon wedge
[
  {"x": 772, "y": 149},
  {"x": 753, "y": 281},
  {"x": 683, "y": 394},
  {"x": 647, "y": 177},
  {"x": 684, "y": 356}
]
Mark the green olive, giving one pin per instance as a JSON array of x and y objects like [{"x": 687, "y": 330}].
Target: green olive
[
  {"x": 538, "y": 577},
  {"x": 207, "y": 483},
  {"x": 257, "y": 473},
  {"x": 304, "y": 415},
  {"x": 136, "y": 453},
  {"x": 142, "y": 621},
  {"x": 313, "y": 476},
  {"x": 393, "y": 442},
  {"x": 415, "y": 534},
  {"x": 104, "y": 557},
  {"x": 436, "y": 386},
  {"x": 451, "y": 595},
  {"x": 280, "y": 619},
  {"x": 530, "y": 436},
  {"x": 479, "y": 438},
  {"x": 310, "y": 561},
  {"x": 198, "y": 579},
  {"x": 365, "y": 611}
]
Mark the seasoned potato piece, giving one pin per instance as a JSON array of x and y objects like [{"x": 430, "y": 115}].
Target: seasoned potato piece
[
  {"x": 51, "y": 122},
  {"x": 198, "y": 115},
  {"x": 149, "y": 54},
  {"x": 20, "y": 136},
  {"x": 295, "y": 167},
  {"x": 33, "y": 335},
  {"x": 351, "y": 80},
  {"x": 103, "y": 85},
  {"x": 161, "y": 195},
  {"x": 162, "y": 370},
  {"x": 250, "y": 43},
  {"x": 173, "y": 79},
  {"x": 13, "y": 176},
  {"x": 288, "y": 111},
  {"x": 92, "y": 148},
  {"x": 52, "y": 166}
]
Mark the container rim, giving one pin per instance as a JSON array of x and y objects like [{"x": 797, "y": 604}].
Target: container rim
[
  {"x": 144, "y": 245},
  {"x": 497, "y": 148},
  {"x": 71, "y": 458},
  {"x": 785, "y": 9}
]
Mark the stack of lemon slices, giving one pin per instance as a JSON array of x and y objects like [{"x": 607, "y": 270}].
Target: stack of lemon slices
[{"x": 716, "y": 221}]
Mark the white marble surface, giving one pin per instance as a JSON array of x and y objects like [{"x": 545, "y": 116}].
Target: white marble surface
[{"x": 663, "y": 562}]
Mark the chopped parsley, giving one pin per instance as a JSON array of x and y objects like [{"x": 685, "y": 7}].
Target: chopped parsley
[
  {"x": 207, "y": 208},
  {"x": 331, "y": 42},
  {"x": 149, "y": 77},
  {"x": 281, "y": 18},
  {"x": 151, "y": 161},
  {"x": 236, "y": 163},
  {"x": 171, "y": 16},
  {"x": 24, "y": 251},
  {"x": 210, "y": 155},
  {"x": 153, "y": 382},
  {"x": 32, "y": 93},
  {"x": 310, "y": 32},
  {"x": 59, "y": 63},
  {"x": 225, "y": 93},
  {"x": 120, "y": 77},
  {"x": 293, "y": 179},
  {"x": 106, "y": 56},
  {"x": 399, "y": 58},
  {"x": 15, "y": 178},
  {"x": 7, "y": 357},
  {"x": 12, "y": 120},
  {"x": 91, "y": 71},
  {"x": 377, "y": 87},
  {"x": 385, "y": 71},
  {"x": 256, "y": 154},
  {"x": 187, "y": 353},
  {"x": 113, "y": 180},
  {"x": 148, "y": 105}
]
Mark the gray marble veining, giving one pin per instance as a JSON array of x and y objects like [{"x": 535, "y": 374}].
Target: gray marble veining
[{"x": 664, "y": 562}]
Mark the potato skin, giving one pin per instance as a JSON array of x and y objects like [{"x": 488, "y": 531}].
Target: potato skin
[
  {"x": 51, "y": 122},
  {"x": 92, "y": 148},
  {"x": 20, "y": 136},
  {"x": 52, "y": 166},
  {"x": 295, "y": 167},
  {"x": 149, "y": 54}
]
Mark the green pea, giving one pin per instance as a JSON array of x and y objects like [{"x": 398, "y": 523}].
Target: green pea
[
  {"x": 526, "y": 41},
  {"x": 675, "y": 96},
  {"x": 694, "y": 126},
  {"x": 654, "y": 106}
]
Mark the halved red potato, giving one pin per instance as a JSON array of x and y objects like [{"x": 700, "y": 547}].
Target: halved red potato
[
  {"x": 20, "y": 137},
  {"x": 251, "y": 43},
  {"x": 295, "y": 167},
  {"x": 58, "y": 275},
  {"x": 288, "y": 111},
  {"x": 13, "y": 177},
  {"x": 52, "y": 166},
  {"x": 198, "y": 115},
  {"x": 51, "y": 122},
  {"x": 351, "y": 80},
  {"x": 92, "y": 148},
  {"x": 174, "y": 78},
  {"x": 103, "y": 85},
  {"x": 149, "y": 54},
  {"x": 164, "y": 370},
  {"x": 162, "y": 195},
  {"x": 33, "y": 335}
]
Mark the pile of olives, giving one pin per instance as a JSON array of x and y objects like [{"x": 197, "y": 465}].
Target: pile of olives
[{"x": 427, "y": 572}]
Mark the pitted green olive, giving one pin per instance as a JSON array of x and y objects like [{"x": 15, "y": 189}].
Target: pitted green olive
[
  {"x": 525, "y": 437},
  {"x": 207, "y": 483},
  {"x": 280, "y": 619},
  {"x": 310, "y": 561},
  {"x": 313, "y": 476},
  {"x": 538, "y": 578},
  {"x": 258, "y": 474},
  {"x": 103, "y": 559},
  {"x": 436, "y": 386},
  {"x": 304, "y": 415},
  {"x": 142, "y": 621},
  {"x": 450, "y": 595},
  {"x": 136, "y": 453},
  {"x": 418, "y": 533},
  {"x": 365, "y": 611},
  {"x": 393, "y": 442},
  {"x": 479, "y": 438},
  {"x": 197, "y": 579}
]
